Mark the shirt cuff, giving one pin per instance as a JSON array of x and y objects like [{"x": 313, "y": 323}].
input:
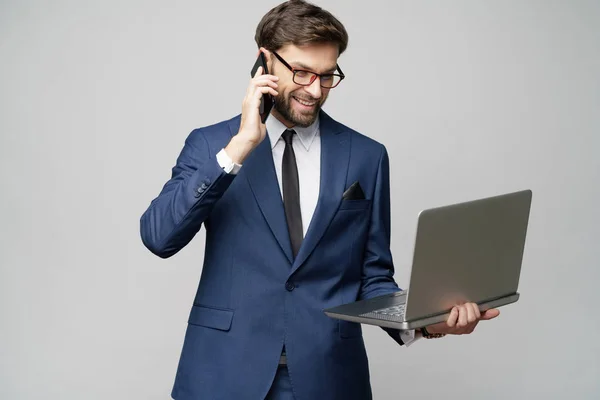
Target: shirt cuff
[
  {"x": 409, "y": 337},
  {"x": 227, "y": 163}
]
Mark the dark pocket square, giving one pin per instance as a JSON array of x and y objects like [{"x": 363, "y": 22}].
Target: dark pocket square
[{"x": 354, "y": 192}]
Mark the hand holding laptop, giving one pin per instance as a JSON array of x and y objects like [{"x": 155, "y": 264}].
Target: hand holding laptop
[{"x": 462, "y": 320}]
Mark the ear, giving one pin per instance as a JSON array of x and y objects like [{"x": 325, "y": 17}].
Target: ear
[{"x": 268, "y": 57}]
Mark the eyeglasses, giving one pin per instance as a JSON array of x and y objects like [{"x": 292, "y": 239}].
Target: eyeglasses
[{"x": 303, "y": 77}]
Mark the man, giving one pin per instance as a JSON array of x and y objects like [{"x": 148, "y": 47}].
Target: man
[{"x": 282, "y": 243}]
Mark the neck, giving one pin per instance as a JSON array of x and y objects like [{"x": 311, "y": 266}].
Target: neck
[{"x": 284, "y": 121}]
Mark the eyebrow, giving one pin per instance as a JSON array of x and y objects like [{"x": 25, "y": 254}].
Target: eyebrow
[{"x": 304, "y": 66}]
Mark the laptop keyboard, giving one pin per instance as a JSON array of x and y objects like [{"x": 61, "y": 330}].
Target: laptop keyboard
[{"x": 394, "y": 313}]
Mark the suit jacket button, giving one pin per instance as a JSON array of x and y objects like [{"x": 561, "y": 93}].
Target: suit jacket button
[{"x": 289, "y": 286}]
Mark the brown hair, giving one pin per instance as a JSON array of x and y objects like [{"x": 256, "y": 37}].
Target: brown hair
[{"x": 299, "y": 23}]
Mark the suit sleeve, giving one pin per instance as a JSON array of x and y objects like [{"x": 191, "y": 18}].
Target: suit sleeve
[
  {"x": 378, "y": 268},
  {"x": 186, "y": 200}
]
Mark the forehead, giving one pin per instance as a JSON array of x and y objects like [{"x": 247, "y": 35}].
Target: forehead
[{"x": 316, "y": 57}]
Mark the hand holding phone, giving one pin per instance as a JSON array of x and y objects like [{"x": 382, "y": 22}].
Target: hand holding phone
[
  {"x": 267, "y": 101},
  {"x": 256, "y": 107}
]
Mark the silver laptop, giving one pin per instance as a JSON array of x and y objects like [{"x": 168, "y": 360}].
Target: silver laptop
[{"x": 466, "y": 252}]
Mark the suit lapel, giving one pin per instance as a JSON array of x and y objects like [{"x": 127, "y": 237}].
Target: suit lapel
[
  {"x": 260, "y": 172},
  {"x": 335, "y": 155}
]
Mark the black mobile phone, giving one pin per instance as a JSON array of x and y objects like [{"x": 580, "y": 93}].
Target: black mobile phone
[{"x": 266, "y": 104}]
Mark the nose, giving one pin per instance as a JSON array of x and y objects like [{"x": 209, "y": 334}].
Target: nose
[{"x": 314, "y": 89}]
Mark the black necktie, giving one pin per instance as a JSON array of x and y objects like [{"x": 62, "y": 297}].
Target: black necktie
[{"x": 291, "y": 193}]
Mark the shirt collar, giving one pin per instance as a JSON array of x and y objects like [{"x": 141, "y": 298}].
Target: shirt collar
[{"x": 275, "y": 129}]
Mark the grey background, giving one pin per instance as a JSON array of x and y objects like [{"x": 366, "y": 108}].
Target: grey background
[{"x": 471, "y": 98}]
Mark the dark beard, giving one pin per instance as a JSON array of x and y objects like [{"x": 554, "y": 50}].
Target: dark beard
[{"x": 284, "y": 108}]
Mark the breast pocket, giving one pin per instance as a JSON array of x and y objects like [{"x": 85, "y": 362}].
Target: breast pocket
[{"x": 355, "y": 204}]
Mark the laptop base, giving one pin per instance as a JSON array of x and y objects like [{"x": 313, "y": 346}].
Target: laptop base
[{"x": 355, "y": 311}]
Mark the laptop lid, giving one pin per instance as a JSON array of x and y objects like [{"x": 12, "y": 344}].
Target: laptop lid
[{"x": 470, "y": 251}]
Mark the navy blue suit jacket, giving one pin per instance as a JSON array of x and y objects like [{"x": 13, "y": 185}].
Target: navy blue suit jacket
[{"x": 254, "y": 297}]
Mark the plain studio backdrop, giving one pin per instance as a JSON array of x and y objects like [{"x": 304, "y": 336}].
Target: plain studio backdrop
[{"x": 471, "y": 98}]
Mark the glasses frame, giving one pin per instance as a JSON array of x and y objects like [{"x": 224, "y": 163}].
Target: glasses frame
[{"x": 314, "y": 76}]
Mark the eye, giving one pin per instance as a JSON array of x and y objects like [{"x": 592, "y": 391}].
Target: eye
[
  {"x": 326, "y": 78},
  {"x": 302, "y": 74}
]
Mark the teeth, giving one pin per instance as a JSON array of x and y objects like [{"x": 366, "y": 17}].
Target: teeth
[{"x": 306, "y": 103}]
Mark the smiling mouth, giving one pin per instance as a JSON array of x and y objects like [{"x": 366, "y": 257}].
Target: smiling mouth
[{"x": 305, "y": 102}]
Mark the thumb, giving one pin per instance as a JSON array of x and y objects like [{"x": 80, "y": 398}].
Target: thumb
[{"x": 490, "y": 314}]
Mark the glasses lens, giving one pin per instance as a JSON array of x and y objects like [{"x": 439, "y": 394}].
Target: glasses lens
[
  {"x": 329, "y": 81},
  {"x": 307, "y": 77},
  {"x": 303, "y": 77}
]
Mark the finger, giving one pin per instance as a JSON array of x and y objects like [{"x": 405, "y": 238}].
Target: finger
[
  {"x": 258, "y": 72},
  {"x": 462, "y": 316},
  {"x": 490, "y": 314},
  {"x": 470, "y": 313},
  {"x": 265, "y": 77},
  {"x": 264, "y": 81},
  {"x": 452, "y": 318},
  {"x": 261, "y": 80},
  {"x": 264, "y": 90},
  {"x": 260, "y": 91},
  {"x": 477, "y": 314}
]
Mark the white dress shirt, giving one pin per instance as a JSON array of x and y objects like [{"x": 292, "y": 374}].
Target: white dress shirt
[{"x": 307, "y": 148}]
